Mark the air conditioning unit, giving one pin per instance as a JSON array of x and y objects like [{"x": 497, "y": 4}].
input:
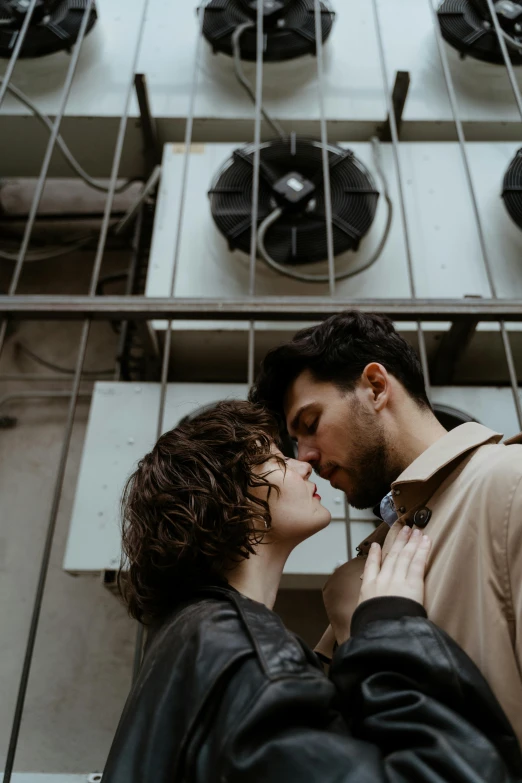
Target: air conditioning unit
[
  {"x": 468, "y": 27},
  {"x": 512, "y": 189},
  {"x": 353, "y": 95},
  {"x": 446, "y": 252},
  {"x": 288, "y": 27},
  {"x": 54, "y": 26},
  {"x": 122, "y": 427}
]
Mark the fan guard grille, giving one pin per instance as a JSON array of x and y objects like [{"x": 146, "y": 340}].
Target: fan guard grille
[
  {"x": 56, "y": 33},
  {"x": 471, "y": 32},
  {"x": 512, "y": 189},
  {"x": 294, "y": 38},
  {"x": 298, "y": 237}
]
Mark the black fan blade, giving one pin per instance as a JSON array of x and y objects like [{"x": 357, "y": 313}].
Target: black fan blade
[
  {"x": 268, "y": 175},
  {"x": 473, "y": 37},
  {"x": 6, "y": 8},
  {"x": 334, "y": 158},
  {"x": 58, "y": 31},
  {"x": 308, "y": 36}
]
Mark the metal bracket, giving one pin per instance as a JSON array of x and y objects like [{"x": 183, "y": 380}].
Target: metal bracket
[
  {"x": 451, "y": 348},
  {"x": 399, "y": 95},
  {"x": 152, "y": 148}
]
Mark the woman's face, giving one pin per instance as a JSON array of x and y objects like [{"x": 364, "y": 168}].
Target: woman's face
[{"x": 296, "y": 509}]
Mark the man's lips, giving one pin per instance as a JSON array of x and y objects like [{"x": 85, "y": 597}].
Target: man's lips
[{"x": 327, "y": 474}]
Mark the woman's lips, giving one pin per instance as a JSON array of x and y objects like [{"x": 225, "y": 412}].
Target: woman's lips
[{"x": 316, "y": 493}]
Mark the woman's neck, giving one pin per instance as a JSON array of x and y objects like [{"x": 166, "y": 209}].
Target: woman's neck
[{"x": 258, "y": 577}]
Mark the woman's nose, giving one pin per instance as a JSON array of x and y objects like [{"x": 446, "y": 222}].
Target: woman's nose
[{"x": 303, "y": 468}]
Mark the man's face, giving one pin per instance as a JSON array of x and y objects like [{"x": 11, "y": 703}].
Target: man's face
[{"x": 342, "y": 437}]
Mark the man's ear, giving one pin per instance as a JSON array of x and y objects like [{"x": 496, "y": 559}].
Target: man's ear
[{"x": 376, "y": 380}]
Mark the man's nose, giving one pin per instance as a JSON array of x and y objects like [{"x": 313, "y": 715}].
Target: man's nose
[
  {"x": 303, "y": 468},
  {"x": 308, "y": 454}
]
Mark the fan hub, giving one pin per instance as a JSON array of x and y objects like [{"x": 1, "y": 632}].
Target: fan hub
[
  {"x": 272, "y": 10},
  {"x": 293, "y": 191},
  {"x": 509, "y": 15}
]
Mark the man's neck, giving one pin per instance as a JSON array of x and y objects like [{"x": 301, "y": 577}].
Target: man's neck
[{"x": 415, "y": 435}]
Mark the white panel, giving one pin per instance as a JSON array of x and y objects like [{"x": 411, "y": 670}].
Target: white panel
[{"x": 121, "y": 429}]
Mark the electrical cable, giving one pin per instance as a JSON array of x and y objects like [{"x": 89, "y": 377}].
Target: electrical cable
[
  {"x": 516, "y": 44},
  {"x": 238, "y": 70},
  {"x": 55, "y": 367},
  {"x": 55, "y": 252},
  {"x": 66, "y": 152},
  {"x": 309, "y": 278},
  {"x": 116, "y": 227}
]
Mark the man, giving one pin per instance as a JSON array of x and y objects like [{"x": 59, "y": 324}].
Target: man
[{"x": 351, "y": 393}]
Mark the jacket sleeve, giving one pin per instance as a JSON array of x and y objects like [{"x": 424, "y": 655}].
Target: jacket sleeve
[{"x": 396, "y": 710}]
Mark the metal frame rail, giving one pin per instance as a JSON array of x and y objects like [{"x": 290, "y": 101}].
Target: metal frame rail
[{"x": 462, "y": 312}]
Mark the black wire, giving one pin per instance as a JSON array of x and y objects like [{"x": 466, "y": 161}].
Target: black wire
[
  {"x": 116, "y": 278},
  {"x": 55, "y": 367}
]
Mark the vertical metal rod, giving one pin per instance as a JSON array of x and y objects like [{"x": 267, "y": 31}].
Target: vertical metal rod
[
  {"x": 348, "y": 524},
  {"x": 467, "y": 170},
  {"x": 255, "y": 185},
  {"x": 324, "y": 146},
  {"x": 50, "y": 149},
  {"x": 46, "y": 162},
  {"x": 57, "y": 490},
  {"x": 140, "y": 634},
  {"x": 44, "y": 566},
  {"x": 177, "y": 245},
  {"x": 395, "y": 147},
  {"x": 507, "y": 58},
  {"x": 251, "y": 354},
  {"x": 423, "y": 353},
  {"x": 129, "y": 287},
  {"x": 4, "y": 84}
]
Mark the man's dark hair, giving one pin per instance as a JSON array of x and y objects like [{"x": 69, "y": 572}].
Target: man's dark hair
[
  {"x": 188, "y": 509},
  {"x": 338, "y": 350}
]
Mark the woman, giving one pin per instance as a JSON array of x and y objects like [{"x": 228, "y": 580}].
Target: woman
[{"x": 225, "y": 692}]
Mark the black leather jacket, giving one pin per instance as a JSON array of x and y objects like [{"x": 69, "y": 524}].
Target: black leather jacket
[{"x": 227, "y": 694}]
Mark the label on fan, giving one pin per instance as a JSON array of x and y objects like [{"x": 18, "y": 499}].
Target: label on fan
[{"x": 295, "y": 184}]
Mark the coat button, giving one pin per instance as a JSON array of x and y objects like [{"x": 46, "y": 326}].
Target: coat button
[
  {"x": 396, "y": 492},
  {"x": 422, "y": 517},
  {"x": 402, "y": 510}
]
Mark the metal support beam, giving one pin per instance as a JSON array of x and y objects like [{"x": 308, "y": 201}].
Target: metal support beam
[
  {"x": 120, "y": 308},
  {"x": 451, "y": 348},
  {"x": 152, "y": 147},
  {"x": 399, "y": 95}
]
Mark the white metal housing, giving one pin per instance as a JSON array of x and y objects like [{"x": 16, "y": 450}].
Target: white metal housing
[
  {"x": 353, "y": 88},
  {"x": 122, "y": 427}
]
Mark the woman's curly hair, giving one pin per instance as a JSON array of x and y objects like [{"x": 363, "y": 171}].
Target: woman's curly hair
[{"x": 188, "y": 512}]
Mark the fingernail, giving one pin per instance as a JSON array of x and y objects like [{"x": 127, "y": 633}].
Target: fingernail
[
  {"x": 405, "y": 531},
  {"x": 426, "y": 539},
  {"x": 416, "y": 532},
  {"x": 374, "y": 546}
]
